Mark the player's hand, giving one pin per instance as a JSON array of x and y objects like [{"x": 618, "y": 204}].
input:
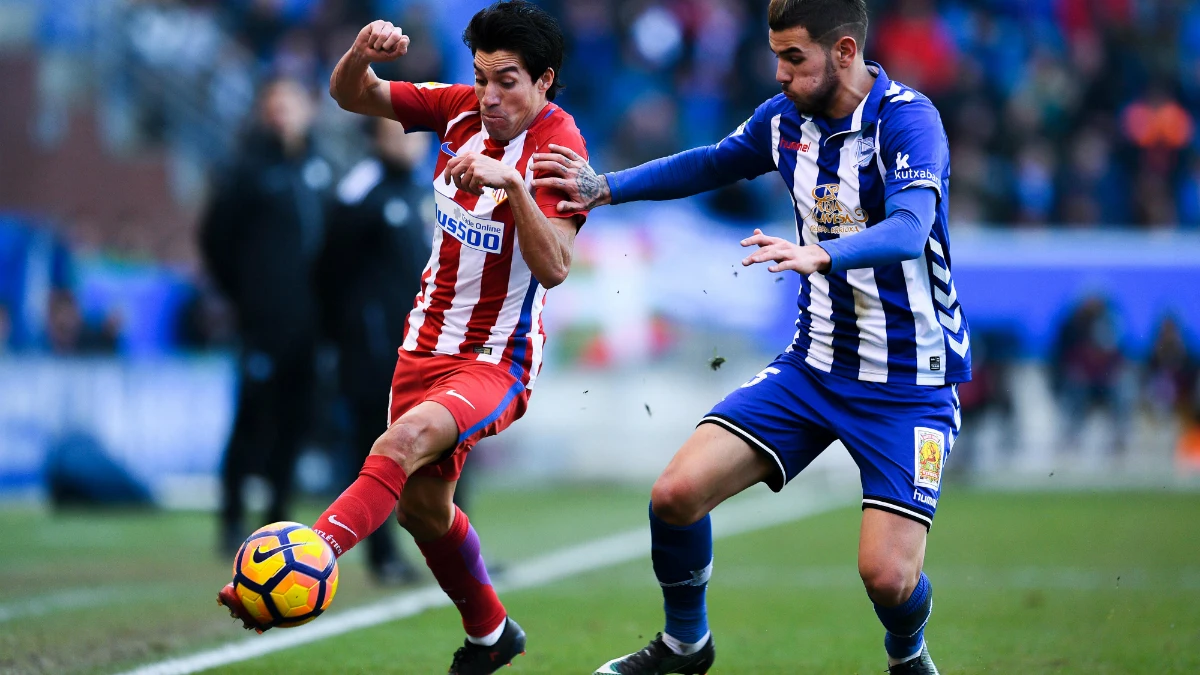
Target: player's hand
[
  {"x": 472, "y": 171},
  {"x": 563, "y": 169},
  {"x": 380, "y": 41},
  {"x": 787, "y": 255}
]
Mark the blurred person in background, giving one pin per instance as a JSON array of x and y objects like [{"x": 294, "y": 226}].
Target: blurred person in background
[
  {"x": 68, "y": 333},
  {"x": 367, "y": 275},
  {"x": 1089, "y": 371},
  {"x": 259, "y": 236},
  {"x": 472, "y": 348},
  {"x": 1172, "y": 374}
]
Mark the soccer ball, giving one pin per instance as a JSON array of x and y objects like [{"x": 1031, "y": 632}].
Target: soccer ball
[{"x": 285, "y": 575}]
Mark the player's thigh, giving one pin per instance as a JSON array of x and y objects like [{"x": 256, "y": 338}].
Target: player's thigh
[
  {"x": 426, "y": 507},
  {"x": 781, "y": 414},
  {"x": 891, "y": 554},
  {"x": 712, "y": 466},
  {"x": 419, "y": 437},
  {"x": 900, "y": 437}
]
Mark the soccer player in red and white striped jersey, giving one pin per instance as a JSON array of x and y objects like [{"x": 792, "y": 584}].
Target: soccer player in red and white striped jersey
[{"x": 473, "y": 345}]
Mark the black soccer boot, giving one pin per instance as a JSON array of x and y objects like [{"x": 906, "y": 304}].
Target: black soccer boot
[
  {"x": 473, "y": 659},
  {"x": 921, "y": 665},
  {"x": 658, "y": 659}
]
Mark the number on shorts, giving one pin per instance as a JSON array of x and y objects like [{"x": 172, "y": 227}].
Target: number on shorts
[{"x": 761, "y": 376}]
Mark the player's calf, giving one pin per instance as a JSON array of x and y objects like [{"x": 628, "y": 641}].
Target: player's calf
[{"x": 416, "y": 439}]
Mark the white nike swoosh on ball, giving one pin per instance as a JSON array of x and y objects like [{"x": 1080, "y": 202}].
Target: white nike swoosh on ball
[{"x": 335, "y": 521}]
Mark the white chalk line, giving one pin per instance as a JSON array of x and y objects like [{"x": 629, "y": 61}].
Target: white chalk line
[{"x": 736, "y": 517}]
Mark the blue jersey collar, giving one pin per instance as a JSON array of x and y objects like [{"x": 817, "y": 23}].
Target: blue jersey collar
[{"x": 867, "y": 112}]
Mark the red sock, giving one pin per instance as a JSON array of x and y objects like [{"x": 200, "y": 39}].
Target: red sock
[
  {"x": 457, "y": 565},
  {"x": 364, "y": 506}
]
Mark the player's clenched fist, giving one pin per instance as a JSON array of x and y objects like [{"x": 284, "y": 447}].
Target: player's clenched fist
[
  {"x": 787, "y": 255},
  {"x": 381, "y": 41}
]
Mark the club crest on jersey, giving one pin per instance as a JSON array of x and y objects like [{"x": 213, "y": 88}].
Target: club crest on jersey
[
  {"x": 864, "y": 151},
  {"x": 930, "y": 454},
  {"x": 830, "y": 215}
]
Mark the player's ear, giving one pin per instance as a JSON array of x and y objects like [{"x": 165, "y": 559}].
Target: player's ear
[
  {"x": 844, "y": 51},
  {"x": 546, "y": 81}
]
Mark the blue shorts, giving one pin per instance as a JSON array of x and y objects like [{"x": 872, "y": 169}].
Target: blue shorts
[{"x": 899, "y": 435}]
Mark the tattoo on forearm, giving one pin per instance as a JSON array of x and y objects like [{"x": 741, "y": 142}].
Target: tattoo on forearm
[{"x": 592, "y": 190}]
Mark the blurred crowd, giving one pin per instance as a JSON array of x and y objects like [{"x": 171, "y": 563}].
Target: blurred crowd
[
  {"x": 1077, "y": 113},
  {"x": 1073, "y": 112}
]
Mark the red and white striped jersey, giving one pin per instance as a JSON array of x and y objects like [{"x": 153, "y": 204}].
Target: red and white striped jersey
[{"x": 478, "y": 298}]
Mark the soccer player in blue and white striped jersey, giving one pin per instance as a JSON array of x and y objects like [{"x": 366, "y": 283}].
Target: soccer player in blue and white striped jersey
[{"x": 881, "y": 340}]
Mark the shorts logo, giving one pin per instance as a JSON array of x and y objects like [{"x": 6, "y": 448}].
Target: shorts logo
[
  {"x": 930, "y": 446},
  {"x": 935, "y": 363}
]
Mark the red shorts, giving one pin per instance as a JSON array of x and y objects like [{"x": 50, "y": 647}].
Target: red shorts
[{"x": 484, "y": 399}]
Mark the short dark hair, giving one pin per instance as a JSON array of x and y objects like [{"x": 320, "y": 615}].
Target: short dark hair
[
  {"x": 826, "y": 21},
  {"x": 526, "y": 30}
]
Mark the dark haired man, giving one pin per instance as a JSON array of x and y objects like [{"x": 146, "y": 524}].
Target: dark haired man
[
  {"x": 473, "y": 345},
  {"x": 881, "y": 341}
]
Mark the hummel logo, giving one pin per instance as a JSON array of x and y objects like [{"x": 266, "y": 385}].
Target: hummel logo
[
  {"x": 335, "y": 521},
  {"x": 261, "y": 556},
  {"x": 901, "y": 161},
  {"x": 457, "y": 395}
]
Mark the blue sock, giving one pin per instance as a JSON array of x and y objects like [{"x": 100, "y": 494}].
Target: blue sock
[
  {"x": 682, "y": 559},
  {"x": 905, "y": 624}
]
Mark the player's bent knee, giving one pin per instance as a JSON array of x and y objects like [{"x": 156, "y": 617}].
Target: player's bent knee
[
  {"x": 675, "y": 503},
  {"x": 404, "y": 443},
  {"x": 888, "y": 585}
]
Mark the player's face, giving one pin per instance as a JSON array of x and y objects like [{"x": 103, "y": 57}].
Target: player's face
[
  {"x": 287, "y": 110},
  {"x": 804, "y": 69},
  {"x": 509, "y": 98}
]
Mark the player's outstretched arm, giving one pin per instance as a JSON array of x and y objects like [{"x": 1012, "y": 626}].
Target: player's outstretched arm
[
  {"x": 683, "y": 174},
  {"x": 353, "y": 84},
  {"x": 570, "y": 173}
]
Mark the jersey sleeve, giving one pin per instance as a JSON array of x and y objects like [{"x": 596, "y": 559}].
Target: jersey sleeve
[
  {"x": 746, "y": 152},
  {"x": 429, "y": 106},
  {"x": 548, "y": 198},
  {"x": 914, "y": 149}
]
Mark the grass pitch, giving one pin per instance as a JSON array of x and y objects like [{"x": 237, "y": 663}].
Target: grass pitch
[{"x": 1023, "y": 583}]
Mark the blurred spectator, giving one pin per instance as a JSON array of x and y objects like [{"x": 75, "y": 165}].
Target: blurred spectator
[
  {"x": 1095, "y": 189},
  {"x": 367, "y": 275},
  {"x": 67, "y": 333},
  {"x": 1090, "y": 371},
  {"x": 1159, "y": 126},
  {"x": 914, "y": 45},
  {"x": 260, "y": 236},
  {"x": 1172, "y": 373}
]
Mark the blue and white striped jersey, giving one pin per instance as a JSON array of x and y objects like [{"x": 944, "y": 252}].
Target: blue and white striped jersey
[{"x": 900, "y": 323}]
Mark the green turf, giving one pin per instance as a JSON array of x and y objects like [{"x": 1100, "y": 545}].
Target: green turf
[{"x": 1024, "y": 583}]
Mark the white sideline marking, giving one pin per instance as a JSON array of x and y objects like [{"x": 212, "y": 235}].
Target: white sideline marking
[{"x": 736, "y": 517}]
